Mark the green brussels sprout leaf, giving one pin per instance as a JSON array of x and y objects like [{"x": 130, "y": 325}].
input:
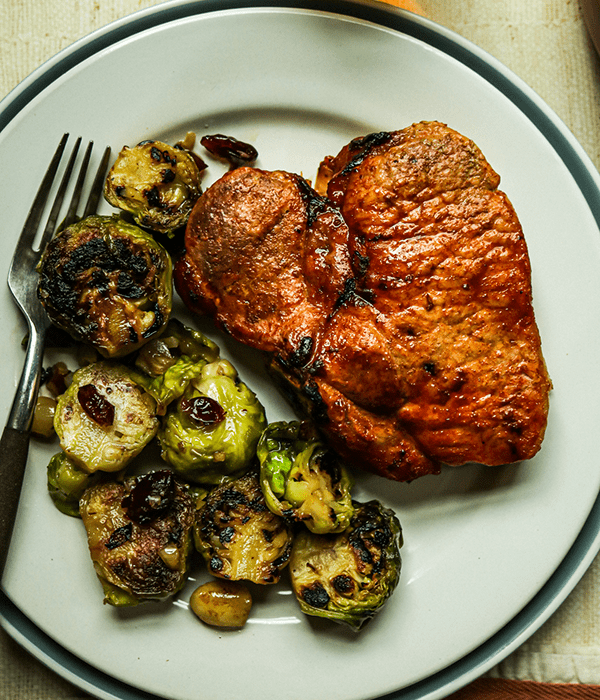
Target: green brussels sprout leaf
[
  {"x": 164, "y": 367},
  {"x": 302, "y": 480},
  {"x": 67, "y": 483}
]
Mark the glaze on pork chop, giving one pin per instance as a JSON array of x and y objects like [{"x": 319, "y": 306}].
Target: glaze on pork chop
[{"x": 396, "y": 304}]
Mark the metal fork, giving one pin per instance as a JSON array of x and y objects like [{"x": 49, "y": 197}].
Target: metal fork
[{"x": 23, "y": 282}]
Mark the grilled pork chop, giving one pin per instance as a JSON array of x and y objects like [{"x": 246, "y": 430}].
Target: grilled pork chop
[{"x": 396, "y": 304}]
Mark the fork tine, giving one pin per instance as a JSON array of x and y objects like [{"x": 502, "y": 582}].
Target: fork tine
[
  {"x": 35, "y": 213},
  {"x": 97, "y": 185},
  {"x": 58, "y": 200},
  {"x": 71, "y": 216},
  {"x": 93, "y": 198}
]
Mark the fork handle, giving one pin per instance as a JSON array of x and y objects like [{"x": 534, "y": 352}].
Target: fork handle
[
  {"x": 14, "y": 443},
  {"x": 14, "y": 446},
  {"x": 23, "y": 407}
]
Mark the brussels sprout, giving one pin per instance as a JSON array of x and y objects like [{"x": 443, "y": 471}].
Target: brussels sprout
[
  {"x": 213, "y": 429},
  {"x": 302, "y": 480},
  {"x": 347, "y": 577},
  {"x": 106, "y": 283},
  {"x": 139, "y": 536},
  {"x": 104, "y": 419},
  {"x": 67, "y": 483},
  {"x": 238, "y": 536},
  {"x": 156, "y": 183},
  {"x": 168, "y": 364}
]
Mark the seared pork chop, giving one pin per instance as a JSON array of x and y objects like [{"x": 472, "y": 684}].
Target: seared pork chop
[{"x": 396, "y": 304}]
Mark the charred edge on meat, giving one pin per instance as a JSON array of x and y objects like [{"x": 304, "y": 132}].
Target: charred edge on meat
[
  {"x": 305, "y": 398},
  {"x": 315, "y": 203},
  {"x": 317, "y": 407},
  {"x": 347, "y": 295},
  {"x": 364, "y": 145},
  {"x": 360, "y": 263},
  {"x": 301, "y": 354}
]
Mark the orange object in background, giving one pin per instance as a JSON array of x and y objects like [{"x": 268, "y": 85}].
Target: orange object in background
[{"x": 407, "y": 5}]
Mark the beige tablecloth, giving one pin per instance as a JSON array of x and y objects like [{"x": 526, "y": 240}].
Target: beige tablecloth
[{"x": 546, "y": 44}]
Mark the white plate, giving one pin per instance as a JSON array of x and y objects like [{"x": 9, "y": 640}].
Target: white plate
[{"x": 489, "y": 553}]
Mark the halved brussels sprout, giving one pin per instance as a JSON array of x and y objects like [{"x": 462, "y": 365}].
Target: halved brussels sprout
[
  {"x": 348, "y": 577},
  {"x": 156, "y": 183},
  {"x": 168, "y": 364},
  {"x": 104, "y": 419},
  {"x": 107, "y": 283},
  {"x": 238, "y": 536},
  {"x": 302, "y": 480},
  {"x": 139, "y": 536},
  {"x": 67, "y": 483},
  {"x": 212, "y": 431}
]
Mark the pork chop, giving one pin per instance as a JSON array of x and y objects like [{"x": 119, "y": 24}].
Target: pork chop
[{"x": 395, "y": 303}]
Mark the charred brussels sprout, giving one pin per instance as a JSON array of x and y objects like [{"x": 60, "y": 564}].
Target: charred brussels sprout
[
  {"x": 104, "y": 419},
  {"x": 67, "y": 483},
  {"x": 156, "y": 183},
  {"x": 348, "y": 577},
  {"x": 139, "y": 536},
  {"x": 302, "y": 480},
  {"x": 106, "y": 283},
  {"x": 213, "y": 429},
  {"x": 238, "y": 536},
  {"x": 165, "y": 366}
]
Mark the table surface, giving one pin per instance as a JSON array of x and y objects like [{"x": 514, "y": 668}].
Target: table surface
[{"x": 545, "y": 42}]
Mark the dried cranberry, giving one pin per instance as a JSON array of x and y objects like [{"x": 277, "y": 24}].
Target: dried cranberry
[
  {"x": 233, "y": 151},
  {"x": 150, "y": 497},
  {"x": 95, "y": 405},
  {"x": 203, "y": 410},
  {"x": 200, "y": 164}
]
